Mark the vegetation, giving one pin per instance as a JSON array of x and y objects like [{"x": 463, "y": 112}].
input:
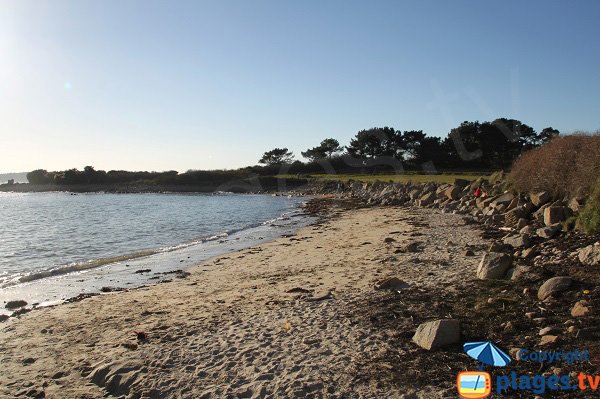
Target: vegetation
[
  {"x": 566, "y": 166},
  {"x": 589, "y": 217},
  {"x": 277, "y": 156},
  {"x": 470, "y": 146},
  {"x": 396, "y": 178},
  {"x": 326, "y": 150},
  {"x": 388, "y": 153}
]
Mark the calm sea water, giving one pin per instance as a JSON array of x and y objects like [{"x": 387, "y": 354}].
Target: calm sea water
[{"x": 53, "y": 245}]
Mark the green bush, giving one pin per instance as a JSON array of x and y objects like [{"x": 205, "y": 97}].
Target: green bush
[{"x": 589, "y": 217}]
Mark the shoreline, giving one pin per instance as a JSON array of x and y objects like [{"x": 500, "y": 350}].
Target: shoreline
[
  {"x": 254, "y": 302},
  {"x": 302, "y": 316},
  {"x": 146, "y": 267}
]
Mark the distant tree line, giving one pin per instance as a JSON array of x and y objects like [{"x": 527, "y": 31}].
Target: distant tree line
[{"x": 472, "y": 146}]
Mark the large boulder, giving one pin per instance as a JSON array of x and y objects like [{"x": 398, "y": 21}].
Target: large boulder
[
  {"x": 427, "y": 199},
  {"x": 503, "y": 199},
  {"x": 540, "y": 198},
  {"x": 494, "y": 266},
  {"x": 590, "y": 255},
  {"x": 547, "y": 232},
  {"x": 452, "y": 192},
  {"x": 556, "y": 214},
  {"x": 15, "y": 304},
  {"x": 553, "y": 286},
  {"x": 438, "y": 333},
  {"x": 517, "y": 241}
]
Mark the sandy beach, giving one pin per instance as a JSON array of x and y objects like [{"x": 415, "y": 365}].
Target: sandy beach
[{"x": 277, "y": 320}]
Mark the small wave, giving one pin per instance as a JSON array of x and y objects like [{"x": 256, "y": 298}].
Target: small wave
[{"x": 78, "y": 267}]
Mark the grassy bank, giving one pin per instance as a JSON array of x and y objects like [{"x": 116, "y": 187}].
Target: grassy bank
[{"x": 396, "y": 178}]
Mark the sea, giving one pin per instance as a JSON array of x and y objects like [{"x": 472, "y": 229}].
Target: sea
[{"x": 55, "y": 246}]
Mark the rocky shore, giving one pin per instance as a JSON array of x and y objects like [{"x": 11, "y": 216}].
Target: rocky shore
[{"x": 375, "y": 300}]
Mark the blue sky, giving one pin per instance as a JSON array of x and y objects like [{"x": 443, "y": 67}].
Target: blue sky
[{"x": 159, "y": 85}]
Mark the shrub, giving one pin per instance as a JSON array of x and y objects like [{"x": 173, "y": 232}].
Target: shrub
[
  {"x": 589, "y": 217},
  {"x": 567, "y": 166}
]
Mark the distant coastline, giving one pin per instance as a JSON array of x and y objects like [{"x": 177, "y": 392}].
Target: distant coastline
[{"x": 250, "y": 185}]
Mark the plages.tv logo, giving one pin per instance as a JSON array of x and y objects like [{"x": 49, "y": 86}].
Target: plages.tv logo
[
  {"x": 474, "y": 384},
  {"x": 478, "y": 384}
]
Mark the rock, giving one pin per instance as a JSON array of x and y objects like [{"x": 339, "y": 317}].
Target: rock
[
  {"x": 462, "y": 183},
  {"x": 468, "y": 252},
  {"x": 540, "y": 198},
  {"x": 15, "y": 304},
  {"x": 553, "y": 286},
  {"x": 298, "y": 290},
  {"x": 555, "y": 214},
  {"x": 438, "y": 333},
  {"x": 548, "y": 340},
  {"x": 392, "y": 283},
  {"x": 576, "y": 204},
  {"x": 495, "y": 247},
  {"x": 518, "y": 241},
  {"x": 3, "y": 317},
  {"x": 546, "y": 331},
  {"x": 580, "y": 309},
  {"x": 590, "y": 255},
  {"x": 529, "y": 253},
  {"x": 452, "y": 192},
  {"x": 389, "y": 240},
  {"x": 494, "y": 266},
  {"x": 415, "y": 194},
  {"x": 514, "y": 353},
  {"x": 520, "y": 272},
  {"x": 547, "y": 232},
  {"x": 503, "y": 199},
  {"x": 528, "y": 230},
  {"x": 427, "y": 199},
  {"x": 513, "y": 217},
  {"x": 111, "y": 289},
  {"x": 410, "y": 247},
  {"x": 321, "y": 296},
  {"x": 521, "y": 223}
]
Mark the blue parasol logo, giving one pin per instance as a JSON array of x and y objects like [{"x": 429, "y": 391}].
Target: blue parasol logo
[{"x": 487, "y": 353}]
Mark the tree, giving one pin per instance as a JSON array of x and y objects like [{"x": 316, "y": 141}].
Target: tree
[
  {"x": 89, "y": 174},
  {"x": 547, "y": 134},
  {"x": 429, "y": 149},
  {"x": 277, "y": 156},
  {"x": 374, "y": 142},
  {"x": 327, "y": 149},
  {"x": 38, "y": 176},
  {"x": 410, "y": 148}
]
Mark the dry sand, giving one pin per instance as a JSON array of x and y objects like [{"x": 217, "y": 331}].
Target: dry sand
[{"x": 232, "y": 329}]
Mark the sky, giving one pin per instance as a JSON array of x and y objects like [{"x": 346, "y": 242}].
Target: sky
[{"x": 178, "y": 85}]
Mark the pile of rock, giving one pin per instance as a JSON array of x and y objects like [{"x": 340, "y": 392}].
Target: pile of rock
[{"x": 527, "y": 215}]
